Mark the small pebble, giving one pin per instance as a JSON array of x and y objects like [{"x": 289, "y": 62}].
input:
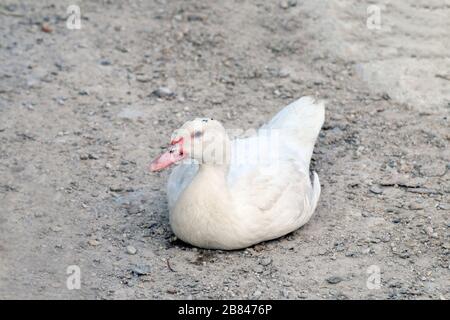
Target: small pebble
[
  {"x": 396, "y": 220},
  {"x": 105, "y": 62},
  {"x": 56, "y": 228},
  {"x": 258, "y": 269},
  {"x": 93, "y": 242},
  {"x": 163, "y": 92},
  {"x": 116, "y": 188},
  {"x": 135, "y": 208},
  {"x": 284, "y": 4},
  {"x": 265, "y": 262},
  {"x": 334, "y": 280},
  {"x": 143, "y": 79},
  {"x": 195, "y": 17},
  {"x": 131, "y": 250},
  {"x": 376, "y": 190},
  {"x": 429, "y": 230},
  {"x": 415, "y": 206},
  {"x": 140, "y": 270},
  {"x": 257, "y": 293},
  {"x": 46, "y": 28}
]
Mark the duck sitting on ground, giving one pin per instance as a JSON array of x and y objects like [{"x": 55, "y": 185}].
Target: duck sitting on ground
[{"x": 230, "y": 194}]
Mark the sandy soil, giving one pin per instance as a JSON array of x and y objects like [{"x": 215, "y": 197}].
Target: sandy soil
[{"x": 80, "y": 122}]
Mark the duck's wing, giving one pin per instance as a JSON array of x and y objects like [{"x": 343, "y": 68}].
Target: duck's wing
[
  {"x": 275, "y": 203},
  {"x": 264, "y": 167}
]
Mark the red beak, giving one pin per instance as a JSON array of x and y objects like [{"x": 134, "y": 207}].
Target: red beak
[{"x": 172, "y": 155}]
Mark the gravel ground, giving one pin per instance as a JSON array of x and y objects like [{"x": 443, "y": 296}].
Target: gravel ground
[{"x": 84, "y": 111}]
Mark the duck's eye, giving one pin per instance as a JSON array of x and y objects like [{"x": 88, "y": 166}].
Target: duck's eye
[{"x": 198, "y": 134}]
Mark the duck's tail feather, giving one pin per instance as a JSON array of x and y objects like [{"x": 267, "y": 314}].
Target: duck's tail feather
[{"x": 299, "y": 124}]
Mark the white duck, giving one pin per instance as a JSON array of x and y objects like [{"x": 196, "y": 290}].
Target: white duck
[{"x": 233, "y": 194}]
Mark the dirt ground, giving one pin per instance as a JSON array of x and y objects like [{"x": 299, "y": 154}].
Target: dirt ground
[{"x": 80, "y": 121}]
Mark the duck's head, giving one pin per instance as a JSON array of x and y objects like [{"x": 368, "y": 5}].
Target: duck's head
[{"x": 204, "y": 140}]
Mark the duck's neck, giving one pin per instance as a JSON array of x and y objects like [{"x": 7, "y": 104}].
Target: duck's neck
[
  {"x": 207, "y": 194},
  {"x": 213, "y": 170},
  {"x": 210, "y": 183}
]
